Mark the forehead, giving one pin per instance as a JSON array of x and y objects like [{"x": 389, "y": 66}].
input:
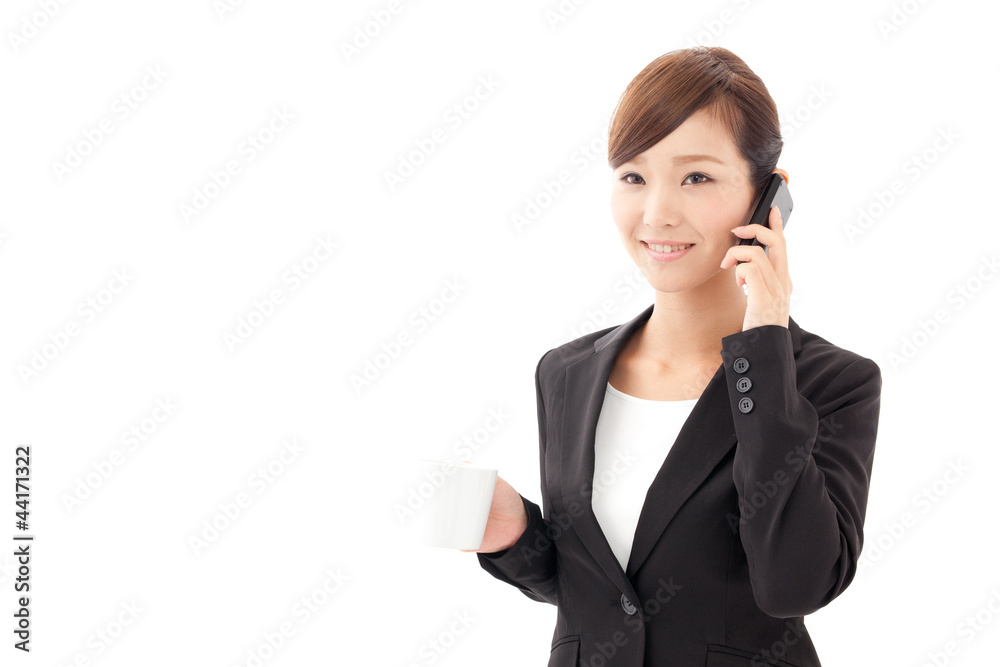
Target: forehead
[{"x": 697, "y": 138}]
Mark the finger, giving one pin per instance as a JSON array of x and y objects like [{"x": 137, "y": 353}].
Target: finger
[
  {"x": 778, "y": 251},
  {"x": 774, "y": 221},
  {"x": 757, "y": 271},
  {"x": 771, "y": 236},
  {"x": 756, "y": 276},
  {"x": 760, "y": 233},
  {"x": 743, "y": 253}
]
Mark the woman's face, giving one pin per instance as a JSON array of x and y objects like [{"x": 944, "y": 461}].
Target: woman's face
[{"x": 692, "y": 187}]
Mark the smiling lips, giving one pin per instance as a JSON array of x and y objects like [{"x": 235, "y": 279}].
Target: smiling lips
[{"x": 667, "y": 246}]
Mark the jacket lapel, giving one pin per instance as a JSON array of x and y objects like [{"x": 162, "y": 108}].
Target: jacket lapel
[{"x": 703, "y": 441}]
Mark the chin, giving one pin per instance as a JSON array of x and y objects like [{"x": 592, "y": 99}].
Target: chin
[
  {"x": 668, "y": 286},
  {"x": 679, "y": 281}
]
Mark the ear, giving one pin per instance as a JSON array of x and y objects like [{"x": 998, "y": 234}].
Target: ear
[{"x": 784, "y": 174}]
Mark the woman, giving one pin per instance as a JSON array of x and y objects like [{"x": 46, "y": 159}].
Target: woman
[{"x": 695, "y": 511}]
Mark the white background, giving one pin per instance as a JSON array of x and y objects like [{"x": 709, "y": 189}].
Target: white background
[{"x": 333, "y": 507}]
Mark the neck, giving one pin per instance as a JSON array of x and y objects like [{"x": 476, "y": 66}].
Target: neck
[{"x": 685, "y": 329}]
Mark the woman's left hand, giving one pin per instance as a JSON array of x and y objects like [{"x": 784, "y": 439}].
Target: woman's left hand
[{"x": 766, "y": 276}]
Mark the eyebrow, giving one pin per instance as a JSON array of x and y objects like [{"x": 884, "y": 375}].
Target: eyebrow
[{"x": 682, "y": 159}]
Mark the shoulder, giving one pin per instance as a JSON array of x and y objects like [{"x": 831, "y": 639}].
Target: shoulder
[
  {"x": 555, "y": 360},
  {"x": 821, "y": 364},
  {"x": 819, "y": 368}
]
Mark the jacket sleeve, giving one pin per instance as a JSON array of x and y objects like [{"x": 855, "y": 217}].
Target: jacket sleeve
[
  {"x": 801, "y": 468},
  {"x": 530, "y": 563}
]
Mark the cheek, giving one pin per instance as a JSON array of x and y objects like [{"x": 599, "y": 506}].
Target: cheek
[
  {"x": 716, "y": 238},
  {"x": 623, "y": 214},
  {"x": 715, "y": 225}
]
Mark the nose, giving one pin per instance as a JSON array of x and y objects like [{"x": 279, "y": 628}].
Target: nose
[{"x": 660, "y": 207}]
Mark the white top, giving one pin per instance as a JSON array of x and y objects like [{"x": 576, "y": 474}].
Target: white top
[{"x": 632, "y": 439}]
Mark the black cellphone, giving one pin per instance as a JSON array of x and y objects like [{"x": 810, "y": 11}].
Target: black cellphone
[{"x": 775, "y": 194}]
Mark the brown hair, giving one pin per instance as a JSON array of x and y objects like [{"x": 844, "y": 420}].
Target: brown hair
[{"x": 677, "y": 84}]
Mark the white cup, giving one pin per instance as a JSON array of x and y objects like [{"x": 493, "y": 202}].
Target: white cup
[{"x": 457, "y": 499}]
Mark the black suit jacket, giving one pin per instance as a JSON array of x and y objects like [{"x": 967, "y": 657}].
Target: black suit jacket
[{"x": 754, "y": 519}]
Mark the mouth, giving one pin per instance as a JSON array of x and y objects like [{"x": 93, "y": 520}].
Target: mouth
[
  {"x": 665, "y": 247},
  {"x": 666, "y": 253}
]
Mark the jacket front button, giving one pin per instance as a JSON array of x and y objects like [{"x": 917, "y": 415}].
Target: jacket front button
[
  {"x": 746, "y": 404},
  {"x": 741, "y": 365},
  {"x": 627, "y": 606},
  {"x": 743, "y": 384}
]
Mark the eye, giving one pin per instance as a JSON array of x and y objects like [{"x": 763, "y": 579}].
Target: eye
[{"x": 702, "y": 178}]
